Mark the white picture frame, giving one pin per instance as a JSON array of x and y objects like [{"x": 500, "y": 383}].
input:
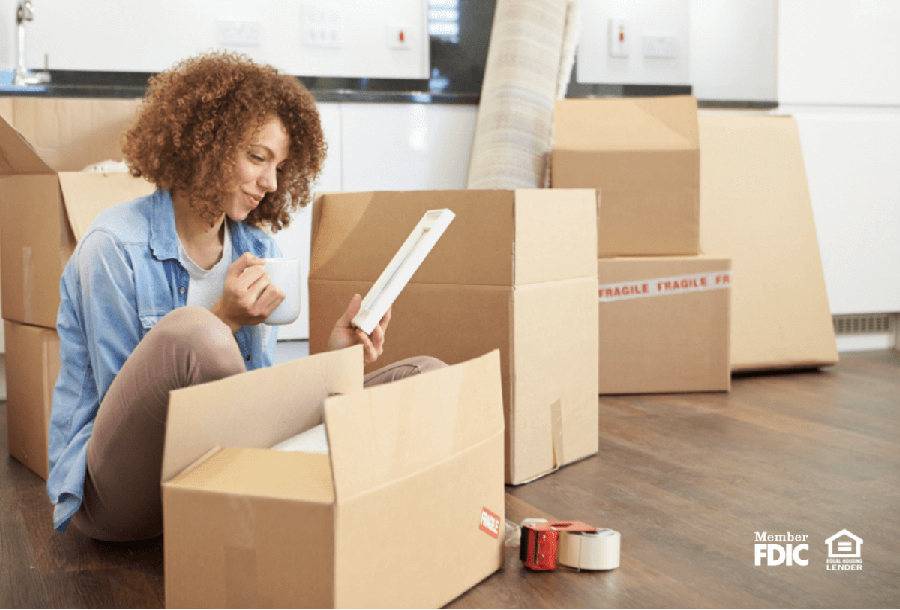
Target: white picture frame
[{"x": 401, "y": 268}]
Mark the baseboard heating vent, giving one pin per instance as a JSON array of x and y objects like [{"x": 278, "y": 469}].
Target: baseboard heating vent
[{"x": 865, "y": 324}]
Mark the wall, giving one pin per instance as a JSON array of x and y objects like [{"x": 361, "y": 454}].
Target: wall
[
  {"x": 839, "y": 76},
  {"x": 122, "y": 35},
  {"x": 732, "y": 50},
  {"x": 669, "y": 18}
]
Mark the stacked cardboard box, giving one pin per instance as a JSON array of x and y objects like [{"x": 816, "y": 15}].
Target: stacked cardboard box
[
  {"x": 515, "y": 271},
  {"x": 46, "y": 204},
  {"x": 664, "y": 310}
]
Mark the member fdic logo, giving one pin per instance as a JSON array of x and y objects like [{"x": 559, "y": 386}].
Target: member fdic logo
[
  {"x": 771, "y": 549},
  {"x": 844, "y": 552}
]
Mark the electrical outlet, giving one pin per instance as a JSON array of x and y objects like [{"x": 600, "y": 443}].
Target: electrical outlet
[
  {"x": 661, "y": 46},
  {"x": 321, "y": 26},
  {"x": 619, "y": 37},
  {"x": 238, "y": 33}
]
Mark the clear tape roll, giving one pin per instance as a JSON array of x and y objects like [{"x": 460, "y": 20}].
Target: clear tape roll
[{"x": 590, "y": 550}]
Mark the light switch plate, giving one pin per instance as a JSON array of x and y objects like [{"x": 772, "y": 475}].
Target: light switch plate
[
  {"x": 321, "y": 26},
  {"x": 619, "y": 37},
  {"x": 238, "y": 33},
  {"x": 399, "y": 36}
]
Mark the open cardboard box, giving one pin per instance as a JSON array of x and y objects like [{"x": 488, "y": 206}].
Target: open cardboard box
[
  {"x": 46, "y": 201},
  {"x": 406, "y": 511},
  {"x": 514, "y": 271},
  {"x": 32, "y": 366},
  {"x": 643, "y": 154},
  {"x": 758, "y": 212},
  {"x": 664, "y": 324}
]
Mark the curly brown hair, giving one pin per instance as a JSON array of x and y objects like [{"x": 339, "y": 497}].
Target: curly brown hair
[{"x": 196, "y": 117}]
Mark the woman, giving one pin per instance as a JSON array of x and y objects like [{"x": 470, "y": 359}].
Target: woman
[{"x": 169, "y": 290}]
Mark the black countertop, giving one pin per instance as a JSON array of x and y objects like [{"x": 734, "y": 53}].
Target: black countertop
[{"x": 437, "y": 90}]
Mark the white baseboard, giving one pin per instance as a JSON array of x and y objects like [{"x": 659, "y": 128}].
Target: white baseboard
[{"x": 860, "y": 343}]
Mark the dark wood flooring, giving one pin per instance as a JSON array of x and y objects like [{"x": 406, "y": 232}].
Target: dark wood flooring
[{"x": 687, "y": 480}]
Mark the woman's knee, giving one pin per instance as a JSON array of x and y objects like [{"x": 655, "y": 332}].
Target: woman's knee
[
  {"x": 198, "y": 331},
  {"x": 426, "y": 364},
  {"x": 402, "y": 370}
]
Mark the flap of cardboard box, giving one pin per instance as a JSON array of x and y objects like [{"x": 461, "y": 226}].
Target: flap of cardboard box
[
  {"x": 649, "y": 123},
  {"x": 70, "y": 134},
  {"x": 355, "y": 235},
  {"x": 386, "y": 434},
  {"x": 17, "y": 156},
  {"x": 256, "y": 409},
  {"x": 86, "y": 194},
  {"x": 260, "y": 472},
  {"x": 498, "y": 238}
]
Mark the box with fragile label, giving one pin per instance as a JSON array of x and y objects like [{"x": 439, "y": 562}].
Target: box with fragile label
[
  {"x": 406, "y": 509},
  {"x": 515, "y": 271},
  {"x": 32, "y": 366},
  {"x": 664, "y": 324},
  {"x": 46, "y": 201},
  {"x": 643, "y": 154}
]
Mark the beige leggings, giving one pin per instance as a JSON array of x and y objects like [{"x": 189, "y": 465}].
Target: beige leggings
[{"x": 189, "y": 346}]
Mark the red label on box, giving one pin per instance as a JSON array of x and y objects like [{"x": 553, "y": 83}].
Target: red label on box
[{"x": 490, "y": 523}]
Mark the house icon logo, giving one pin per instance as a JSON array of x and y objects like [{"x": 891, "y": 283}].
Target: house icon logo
[
  {"x": 844, "y": 544},
  {"x": 844, "y": 551}
]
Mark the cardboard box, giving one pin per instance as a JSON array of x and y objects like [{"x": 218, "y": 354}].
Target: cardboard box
[
  {"x": 644, "y": 156},
  {"x": 664, "y": 324},
  {"x": 46, "y": 201},
  {"x": 406, "y": 511},
  {"x": 757, "y": 211},
  {"x": 515, "y": 271},
  {"x": 32, "y": 366}
]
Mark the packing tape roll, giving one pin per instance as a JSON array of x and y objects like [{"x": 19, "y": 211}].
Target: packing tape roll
[
  {"x": 590, "y": 550},
  {"x": 531, "y": 520}
]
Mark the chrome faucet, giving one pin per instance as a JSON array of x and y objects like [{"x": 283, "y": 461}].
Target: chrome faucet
[{"x": 24, "y": 76}]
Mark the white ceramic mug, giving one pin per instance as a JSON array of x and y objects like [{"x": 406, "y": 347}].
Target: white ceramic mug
[{"x": 285, "y": 273}]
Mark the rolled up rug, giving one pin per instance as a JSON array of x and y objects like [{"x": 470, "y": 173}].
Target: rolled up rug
[{"x": 528, "y": 66}]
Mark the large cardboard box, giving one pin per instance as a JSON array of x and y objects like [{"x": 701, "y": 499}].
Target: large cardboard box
[
  {"x": 46, "y": 201},
  {"x": 515, "y": 271},
  {"x": 406, "y": 511},
  {"x": 664, "y": 324},
  {"x": 757, "y": 211},
  {"x": 644, "y": 156},
  {"x": 32, "y": 366}
]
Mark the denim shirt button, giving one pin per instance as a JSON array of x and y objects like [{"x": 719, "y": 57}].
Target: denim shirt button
[
  {"x": 248, "y": 358},
  {"x": 181, "y": 290}
]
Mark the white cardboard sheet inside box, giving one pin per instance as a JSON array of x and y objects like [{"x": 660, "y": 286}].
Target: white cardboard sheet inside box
[{"x": 391, "y": 518}]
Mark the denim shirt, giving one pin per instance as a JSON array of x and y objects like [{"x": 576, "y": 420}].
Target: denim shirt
[{"x": 123, "y": 277}]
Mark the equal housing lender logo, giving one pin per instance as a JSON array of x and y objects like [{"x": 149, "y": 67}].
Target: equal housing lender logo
[{"x": 844, "y": 550}]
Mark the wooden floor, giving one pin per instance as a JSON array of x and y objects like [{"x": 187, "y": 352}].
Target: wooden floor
[{"x": 687, "y": 479}]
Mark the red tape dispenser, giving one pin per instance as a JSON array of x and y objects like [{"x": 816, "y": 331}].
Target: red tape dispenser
[
  {"x": 538, "y": 545},
  {"x": 571, "y": 543}
]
